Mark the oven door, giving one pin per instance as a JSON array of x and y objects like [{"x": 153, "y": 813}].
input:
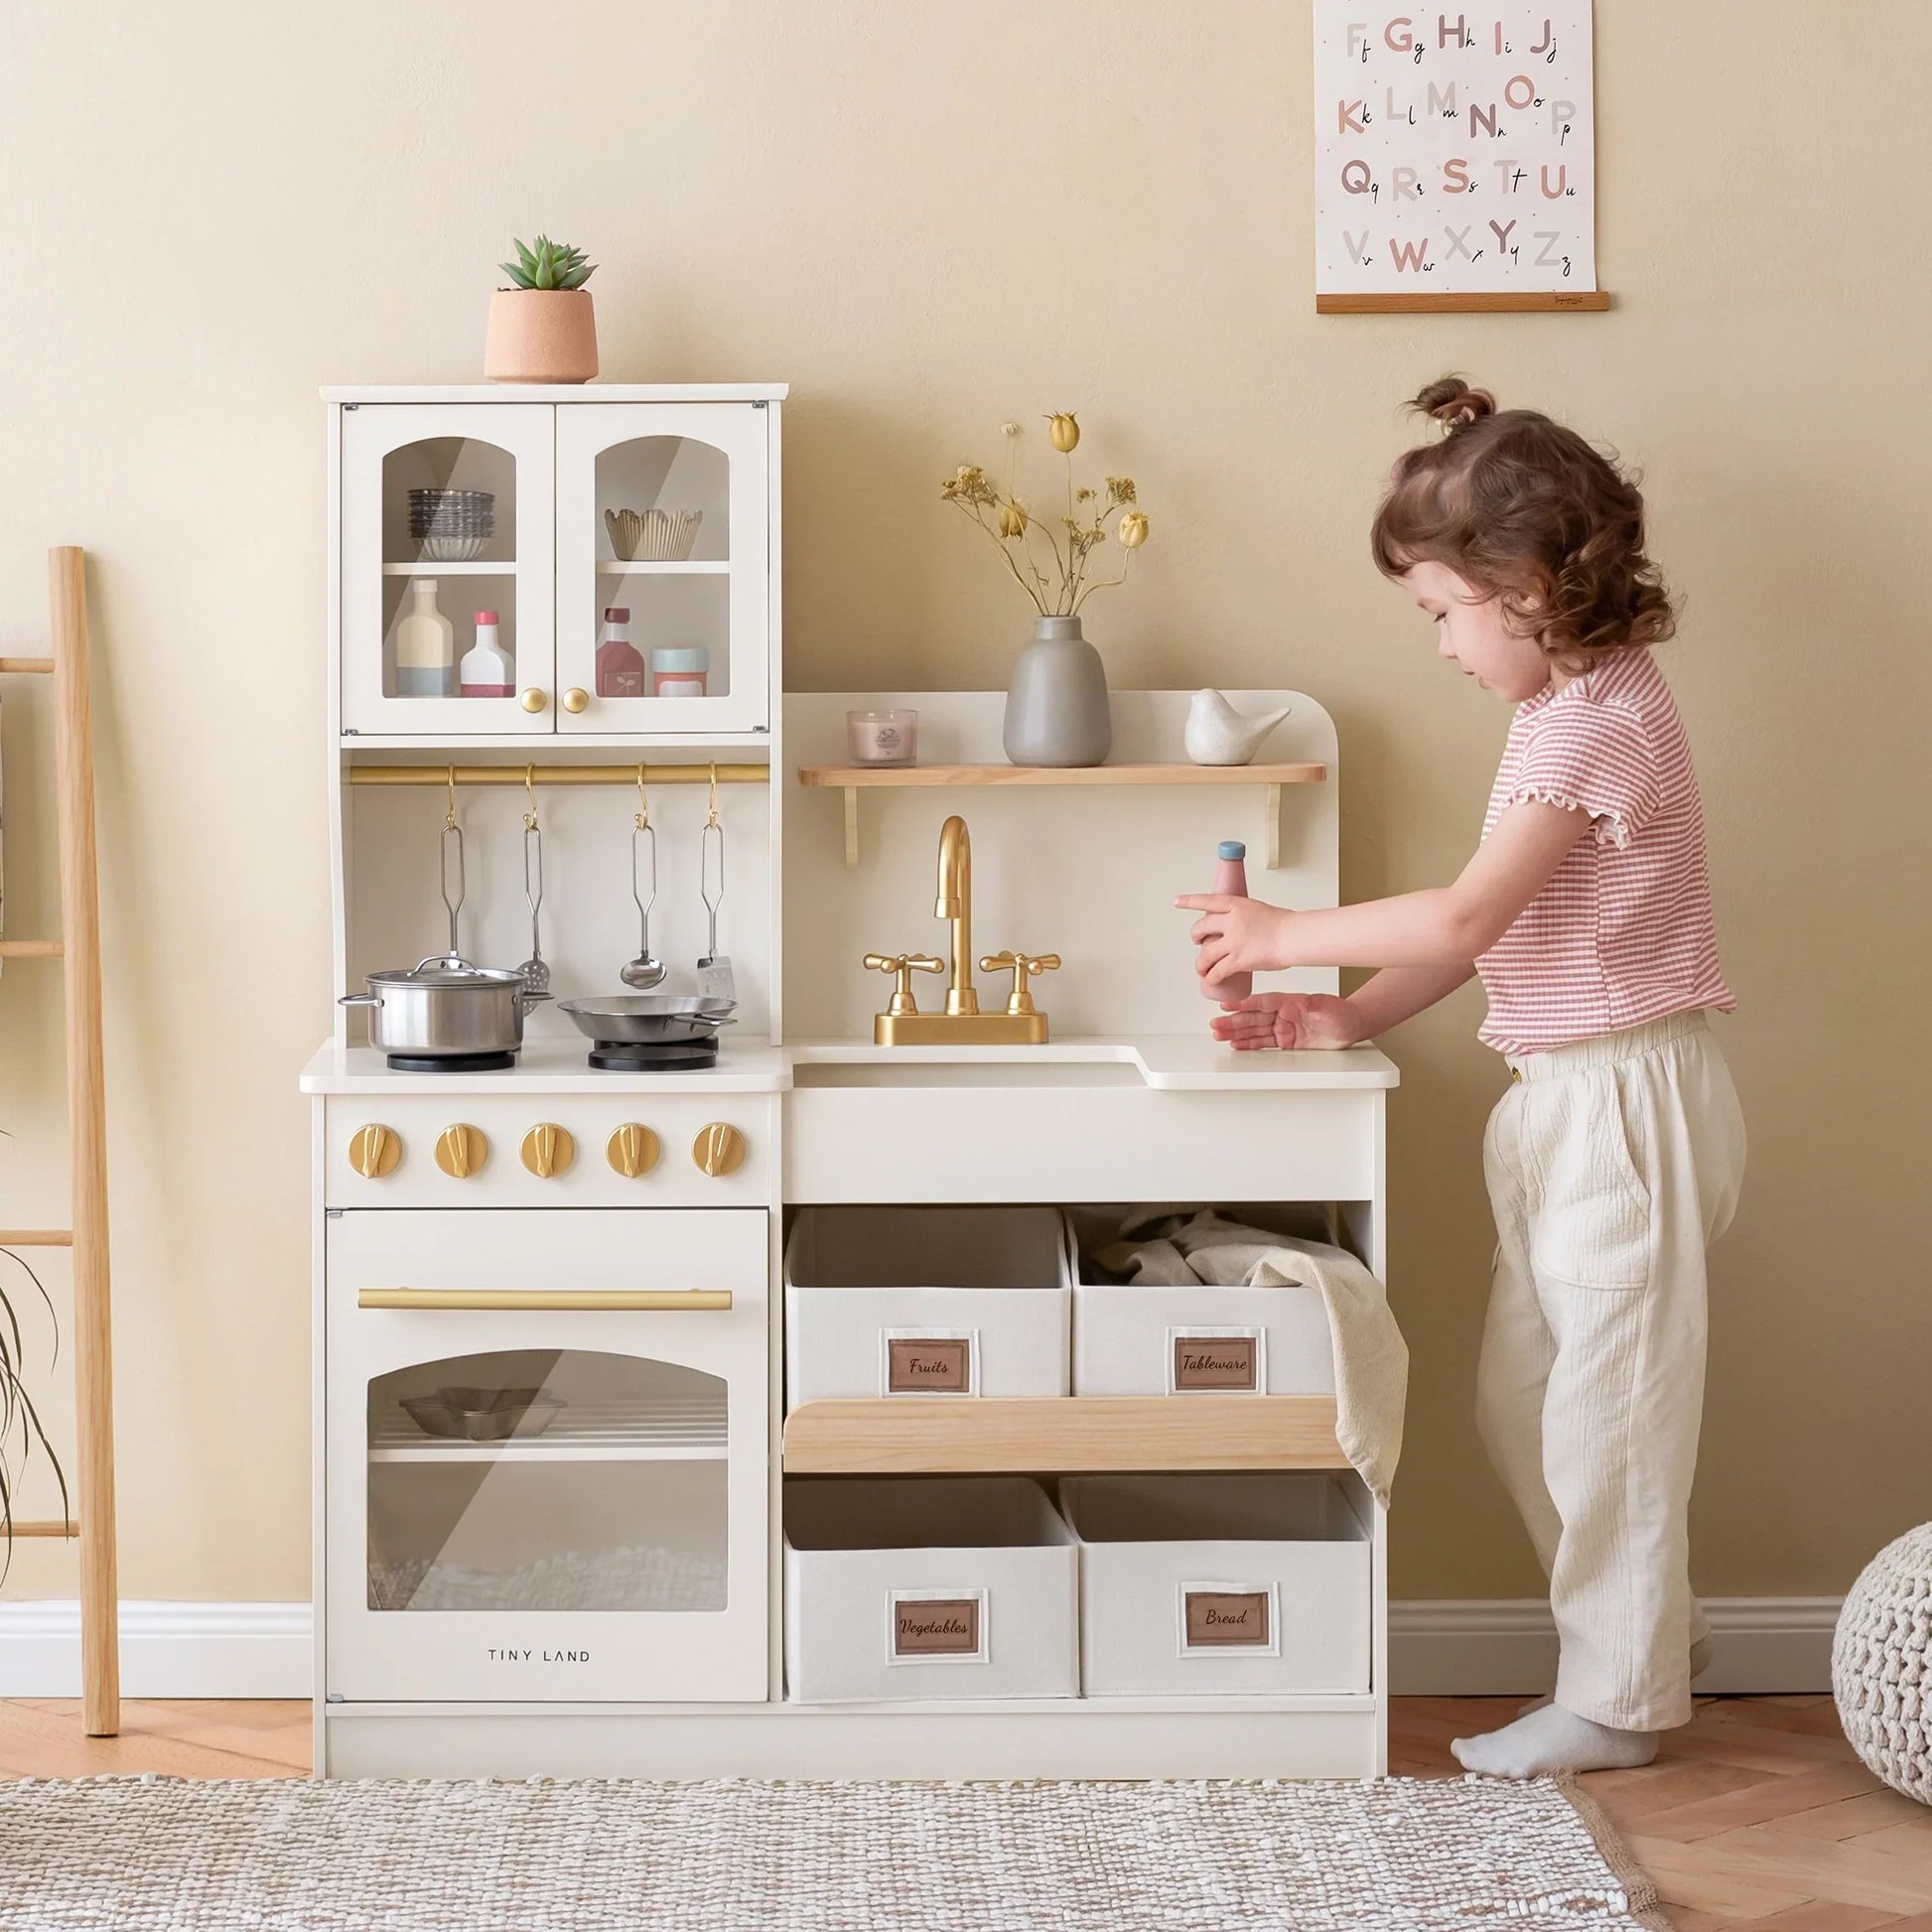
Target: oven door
[{"x": 545, "y": 1471}]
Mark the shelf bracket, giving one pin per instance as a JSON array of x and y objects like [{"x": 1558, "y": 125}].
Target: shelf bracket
[
  {"x": 851, "y": 827},
  {"x": 1273, "y": 811}
]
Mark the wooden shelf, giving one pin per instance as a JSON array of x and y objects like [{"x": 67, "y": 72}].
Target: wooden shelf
[
  {"x": 663, "y": 567},
  {"x": 469, "y": 567},
  {"x": 959, "y": 1436},
  {"x": 868, "y": 776},
  {"x": 855, "y": 779}
]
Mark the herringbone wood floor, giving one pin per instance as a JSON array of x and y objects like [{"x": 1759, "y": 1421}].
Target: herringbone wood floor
[{"x": 1755, "y": 1816}]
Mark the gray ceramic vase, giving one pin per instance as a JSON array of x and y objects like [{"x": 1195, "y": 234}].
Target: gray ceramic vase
[{"x": 1056, "y": 704}]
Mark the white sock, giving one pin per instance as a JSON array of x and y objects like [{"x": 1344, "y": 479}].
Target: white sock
[
  {"x": 1553, "y": 1740},
  {"x": 1700, "y": 1663}
]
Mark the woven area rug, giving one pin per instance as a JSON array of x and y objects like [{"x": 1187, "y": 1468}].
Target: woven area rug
[{"x": 1410, "y": 1854}]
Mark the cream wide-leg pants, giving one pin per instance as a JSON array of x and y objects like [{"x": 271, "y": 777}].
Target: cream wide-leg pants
[{"x": 1612, "y": 1164}]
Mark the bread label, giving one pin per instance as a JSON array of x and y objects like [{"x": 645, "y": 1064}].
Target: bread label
[{"x": 1226, "y": 1619}]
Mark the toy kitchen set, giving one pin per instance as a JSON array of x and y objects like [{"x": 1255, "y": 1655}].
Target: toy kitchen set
[{"x": 713, "y": 1372}]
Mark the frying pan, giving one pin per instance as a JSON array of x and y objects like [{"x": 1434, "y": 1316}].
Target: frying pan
[{"x": 649, "y": 1016}]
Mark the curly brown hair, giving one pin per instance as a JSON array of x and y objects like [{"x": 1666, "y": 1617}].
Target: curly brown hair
[{"x": 1526, "y": 512}]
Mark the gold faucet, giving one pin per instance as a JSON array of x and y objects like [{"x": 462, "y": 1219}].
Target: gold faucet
[{"x": 903, "y": 1025}]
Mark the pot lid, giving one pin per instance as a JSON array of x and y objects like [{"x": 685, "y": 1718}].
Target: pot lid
[{"x": 448, "y": 970}]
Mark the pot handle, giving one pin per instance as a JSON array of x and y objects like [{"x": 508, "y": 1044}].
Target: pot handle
[{"x": 361, "y": 999}]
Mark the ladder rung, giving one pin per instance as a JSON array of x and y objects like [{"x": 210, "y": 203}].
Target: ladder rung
[
  {"x": 30, "y": 948},
  {"x": 36, "y": 1237},
  {"x": 68, "y": 1529},
  {"x": 42, "y": 664}
]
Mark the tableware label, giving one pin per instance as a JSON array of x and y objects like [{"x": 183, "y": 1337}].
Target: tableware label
[{"x": 1223, "y": 1362}]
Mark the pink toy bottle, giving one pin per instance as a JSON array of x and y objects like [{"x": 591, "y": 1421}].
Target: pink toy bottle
[{"x": 1230, "y": 877}]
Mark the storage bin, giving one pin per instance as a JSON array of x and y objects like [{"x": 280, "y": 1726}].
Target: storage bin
[
  {"x": 926, "y": 1301},
  {"x": 1252, "y": 1582},
  {"x": 928, "y": 1587},
  {"x": 1192, "y": 1339}
]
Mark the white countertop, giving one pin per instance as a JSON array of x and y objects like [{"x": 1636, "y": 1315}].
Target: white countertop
[{"x": 1186, "y": 1062}]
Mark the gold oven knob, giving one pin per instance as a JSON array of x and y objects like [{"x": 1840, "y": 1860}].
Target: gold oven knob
[
  {"x": 534, "y": 699},
  {"x": 719, "y": 1149},
  {"x": 460, "y": 1150},
  {"x": 632, "y": 1150},
  {"x": 374, "y": 1150},
  {"x": 548, "y": 1149},
  {"x": 577, "y": 699}
]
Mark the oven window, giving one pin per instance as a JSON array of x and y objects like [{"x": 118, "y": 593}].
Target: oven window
[{"x": 548, "y": 1479}]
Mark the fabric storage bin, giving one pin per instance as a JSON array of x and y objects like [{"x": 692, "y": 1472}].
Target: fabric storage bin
[
  {"x": 926, "y": 1301},
  {"x": 1252, "y": 1583},
  {"x": 1191, "y": 1338},
  {"x": 928, "y": 1587}
]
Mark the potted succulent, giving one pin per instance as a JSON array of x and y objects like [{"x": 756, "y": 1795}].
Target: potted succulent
[
  {"x": 1057, "y": 710},
  {"x": 541, "y": 327}
]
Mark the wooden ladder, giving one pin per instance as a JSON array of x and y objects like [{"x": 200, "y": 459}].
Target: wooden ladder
[{"x": 79, "y": 947}]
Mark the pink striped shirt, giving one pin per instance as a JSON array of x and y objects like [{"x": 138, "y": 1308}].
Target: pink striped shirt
[{"x": 1621, "y": 933}]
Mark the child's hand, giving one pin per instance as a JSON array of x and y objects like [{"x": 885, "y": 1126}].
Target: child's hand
[
  {"x": 1236, "y": 936},
  {"x": 1290, "y": 1020}
]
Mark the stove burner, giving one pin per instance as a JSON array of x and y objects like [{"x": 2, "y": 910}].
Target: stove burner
[
  {"x": 654, "y": 1056},
  {"x": 452, "y": 1062}
]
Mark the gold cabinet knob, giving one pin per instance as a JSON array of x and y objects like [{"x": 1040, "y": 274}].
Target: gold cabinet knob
[
  {"x": 460, "y": 1150},
  {"x": 373, "y": 1152},
  {"x": 577, "y": 699},
  {"x": 534, "y": 699},
  {"x": 548, "y": 1149},
  {"x": 720, "y": 1149},
  {"x": 632, "y": 1150}
]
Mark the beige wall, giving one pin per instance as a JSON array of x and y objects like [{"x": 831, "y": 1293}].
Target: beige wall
[{"x": 928, "y": 219}]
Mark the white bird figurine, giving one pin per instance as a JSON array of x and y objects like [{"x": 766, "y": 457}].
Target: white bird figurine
[{"x": 1217, "y": 734}]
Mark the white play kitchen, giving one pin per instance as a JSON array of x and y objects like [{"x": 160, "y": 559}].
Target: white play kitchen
[{"x": 722, "y": 1159}]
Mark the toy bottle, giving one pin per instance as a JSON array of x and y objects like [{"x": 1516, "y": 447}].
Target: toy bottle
[
  {"x": 486, "y": 671},
  {"x": 620, "y": 664},
  {"x": 425, "y": 646},
  {"x": 1231, "y": 878}
]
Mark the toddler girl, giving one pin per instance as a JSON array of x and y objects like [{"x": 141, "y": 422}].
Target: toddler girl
[{"x": 1616, "y": 1153}]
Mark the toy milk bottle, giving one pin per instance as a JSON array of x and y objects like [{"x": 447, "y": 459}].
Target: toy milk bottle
[
  {"x": 485, "y": 670},
  {"x": 425, "y": 646},
  {"x": 1231, "y": 878}
]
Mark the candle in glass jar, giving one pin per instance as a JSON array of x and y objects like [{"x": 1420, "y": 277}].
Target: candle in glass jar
[{"x": 882, "y": 737}]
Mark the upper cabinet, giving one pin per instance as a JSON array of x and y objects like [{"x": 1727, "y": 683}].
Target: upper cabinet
[{"x": 516, "y": 568}]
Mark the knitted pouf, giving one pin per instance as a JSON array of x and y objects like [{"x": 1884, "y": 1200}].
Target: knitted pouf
[{"x": 1881, "y": 1665}]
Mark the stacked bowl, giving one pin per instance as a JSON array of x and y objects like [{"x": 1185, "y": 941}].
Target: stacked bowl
[{"x": 449, "y": 526}]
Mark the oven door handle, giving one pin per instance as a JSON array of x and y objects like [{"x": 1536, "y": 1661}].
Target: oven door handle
[{"x": 622, "y": 1300}]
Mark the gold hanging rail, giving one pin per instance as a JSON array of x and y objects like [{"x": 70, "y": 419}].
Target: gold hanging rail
[{"x": 559, "y": 774}]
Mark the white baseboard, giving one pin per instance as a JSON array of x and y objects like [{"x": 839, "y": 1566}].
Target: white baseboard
[
  {"x": 1505, "y": 1647},
  {"x": 168, "y": 1650},
  {"x": 1499, "y": 1648}
]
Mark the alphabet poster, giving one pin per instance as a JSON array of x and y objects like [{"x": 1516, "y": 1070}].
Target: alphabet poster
[{"x": 1455, "y": 156}]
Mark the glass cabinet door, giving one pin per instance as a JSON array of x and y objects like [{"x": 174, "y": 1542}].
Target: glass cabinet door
[
  {"x": 447, "y": 606},
  {"x": 663, "y": 576}
]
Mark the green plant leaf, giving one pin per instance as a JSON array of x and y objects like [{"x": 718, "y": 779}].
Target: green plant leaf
[
  {"x": 518, "y": 277},
  {"x": 526, "y": 257}
]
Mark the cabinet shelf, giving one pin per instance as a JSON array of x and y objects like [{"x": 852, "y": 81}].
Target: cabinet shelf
[
  {"x": 1067, "y": 1434},
  {"x": 647, "y": 567},
  {"x": 431, "y": 567},
  {"x": 855, "y": 779},
  {"x": 687, "y": 1429}
]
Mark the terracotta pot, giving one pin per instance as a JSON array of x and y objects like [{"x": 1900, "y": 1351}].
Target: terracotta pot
[{"x": 540, "y": 335}]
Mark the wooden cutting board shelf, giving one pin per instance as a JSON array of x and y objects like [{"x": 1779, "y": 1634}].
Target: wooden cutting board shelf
[{"x": 1070, "y": 1434}]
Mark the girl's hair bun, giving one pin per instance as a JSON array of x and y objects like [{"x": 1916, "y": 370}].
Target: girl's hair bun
[{"x": 1453, "y": 404}]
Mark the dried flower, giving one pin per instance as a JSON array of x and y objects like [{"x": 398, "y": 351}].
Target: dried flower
[
  {"x": 1012, "y": 518},
  {"x": 1133, "y": 530},
  {"x": 1009, "y": 429},
  {"x": 968, "y": 484},
  {"x": 1120, "y": 489},
  {"x": 1063, "y": 432}
]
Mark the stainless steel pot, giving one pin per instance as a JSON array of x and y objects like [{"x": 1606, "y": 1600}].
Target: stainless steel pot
[{"x": 445, "y": 1007}]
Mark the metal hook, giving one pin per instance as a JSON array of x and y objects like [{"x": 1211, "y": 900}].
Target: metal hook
[
  {"x": 643, "y": 803},
  {"x": 711, "y": 819},
  {"x": 449, "y": 824},
  {"x": 530, "y": 792}
]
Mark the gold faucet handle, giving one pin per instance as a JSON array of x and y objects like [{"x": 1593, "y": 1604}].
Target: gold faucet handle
[
  {"x": 1024, "y": 967},
  {"x": 904, "y": 965}
]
